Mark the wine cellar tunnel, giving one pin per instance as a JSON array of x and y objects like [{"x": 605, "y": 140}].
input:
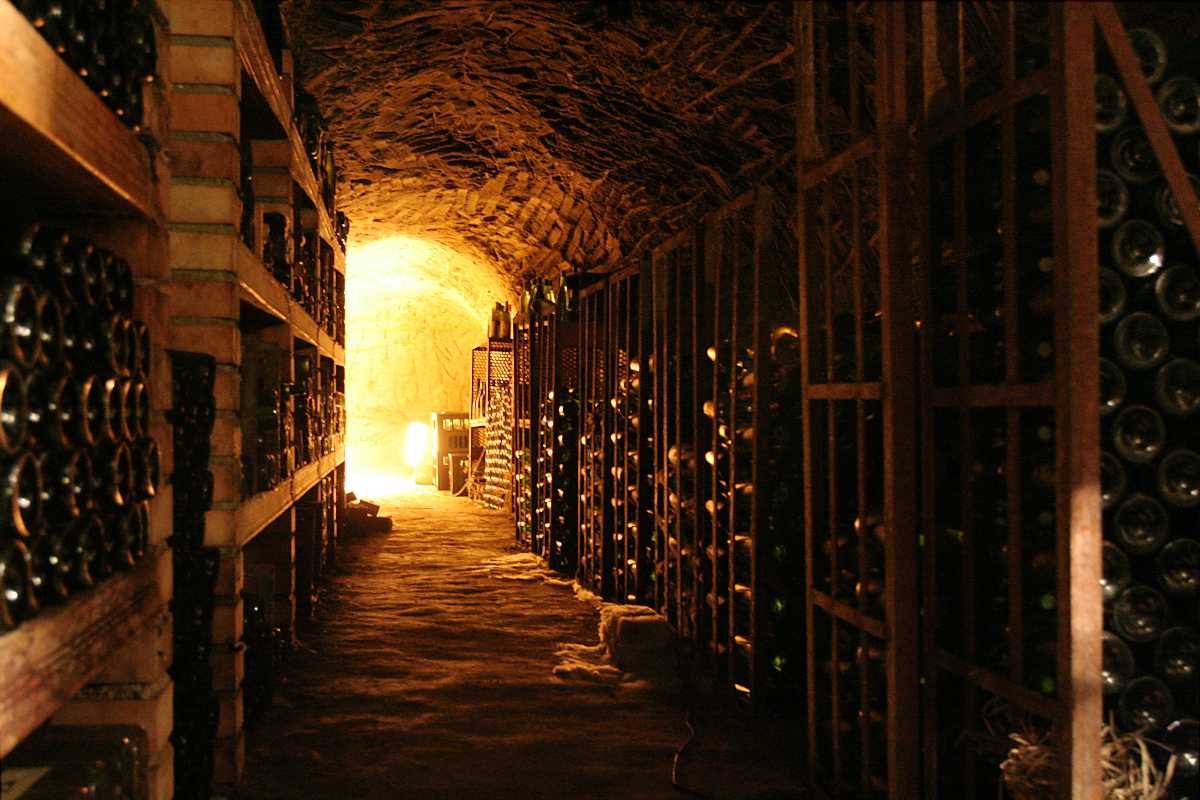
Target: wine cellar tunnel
[{"x": 639, "y": 399}]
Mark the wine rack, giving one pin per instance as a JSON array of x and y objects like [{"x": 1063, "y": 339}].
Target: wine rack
[
  {"x": 1149, "y": 384},
  {"x": 525, "y": 407},
  {"x": 492, "y": 415},
  {"x": 257, "y": 266},
  {"x": 84, "y": 760},
  {"x": 632, "y": 523},
  {"x": 84, "y": 388},
  {"x": 79, "y": 460},
  {"x": 595, "y": 512},
  {"x": 111, "y": 47},
  {"x": 546, "y": 447},
  {"x": 197, "y": 711}
]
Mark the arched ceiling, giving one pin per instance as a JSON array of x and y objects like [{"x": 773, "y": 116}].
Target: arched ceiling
[{"x": 542, "y": 135}]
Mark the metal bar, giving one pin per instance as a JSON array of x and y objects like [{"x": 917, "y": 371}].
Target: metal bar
[{"x": 1077, "y": 348}]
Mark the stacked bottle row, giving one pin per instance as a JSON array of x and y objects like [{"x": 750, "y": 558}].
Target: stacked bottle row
[
  {"x": 968, "y": 306},
  {"x": 782, "y": 523},
  {"x": 102, "y": 762},
  {"x": 77, "y": 460},
  {"x": 523, "y": 490},
  {"x": 314, "y": 282},
  {"x": 316, "y": 540},
  {"x": 730, "y": 460},
  {"x": 1150, "y": 396},
  {"x": 319, "y": 147},
  {"x": 593, "y": 524},
  {"x": 110, "y": 45},
  {"x": 268, "y": 445},
  {"x": 542, "y": 494},
  {"x": 195, "y": 570},
  {"x": 498, "y": 450},
  {"x": 266, "y": 646},
  {"x": 318, "y": 408},
  {"x": 851, "y": 679},
  {"x": 627, "y": 477},
  {"x": 564, "y": 479}
]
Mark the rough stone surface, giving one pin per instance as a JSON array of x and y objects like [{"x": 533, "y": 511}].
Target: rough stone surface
[
  {"x": 537, "y": 135},
  {"x": 429, "y": 675}
]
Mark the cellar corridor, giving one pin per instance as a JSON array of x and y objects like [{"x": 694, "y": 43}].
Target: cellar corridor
[{"x": 427, "y": 676}]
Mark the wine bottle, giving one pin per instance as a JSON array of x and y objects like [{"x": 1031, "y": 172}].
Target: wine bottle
[
  {"x": 1112, "y": 106},
  {"x": 1179, "y": 567},
  {"x": 1177, "y": 656},
  {"x": 61, "y": 484},
  {"x": 1177, "y": 387},
  {"x": 1132, "y": 156},
  {"x": 1151, "y": 53},
  {"x": 20, "y": 336},
  {"x": 1179, "y": 101},
  {"x": 17, "y": 600},
  {"x": 1179, "y": 478},
  {"x": 1138, "y": 249},
  {"x": 116, "y": 470},
  {"x": 21, "y": 496},
  {"x": 91, "y": 421},
  {"x": 1182, "y": 739},
  {"x": 1146, "y": 704},
  {"x": 51, "y": 567},
  {"x": 1141, "y": 525},
  {"x": 14, "y": 409},
  {"x": 1139, "y": 434},
  {"x": 1178, "y": 292},
  {"x": 1140, "y": 614},
  {"x": 114, "y": 411},
  {"x": 1118, "y": 667},
  {"x": 51, "y": 336}
]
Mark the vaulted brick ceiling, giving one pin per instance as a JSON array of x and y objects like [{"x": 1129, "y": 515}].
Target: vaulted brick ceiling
[{"x": 538, "y": 135}]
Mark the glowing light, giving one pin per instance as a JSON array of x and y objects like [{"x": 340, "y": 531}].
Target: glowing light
[
  {"x": 416, "y": 445},
  {"x": 414, "y": 310}
]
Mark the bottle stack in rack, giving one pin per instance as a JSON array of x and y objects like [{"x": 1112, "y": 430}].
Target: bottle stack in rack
[
  {"x": 257, "y": 267},
  {"x": 110, "y": 45},
  {"x": 1150, "y": 396},
  {"x": 195, "y": 566},
  {"x": 78, "y": 460}
]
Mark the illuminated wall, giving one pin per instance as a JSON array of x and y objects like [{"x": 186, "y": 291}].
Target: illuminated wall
[{"x": 414, "y": 311}]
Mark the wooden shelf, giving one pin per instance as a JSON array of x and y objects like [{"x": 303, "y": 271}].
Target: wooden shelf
[
  {"x": 62, "y": 145},
  {"x": 49, "y": 658},
  {"x": 257, "y": 286},
  {"x": 257, "y": 61},
  {"x": 257, "y": 512}
]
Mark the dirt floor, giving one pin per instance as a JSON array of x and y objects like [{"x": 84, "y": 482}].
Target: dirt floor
[{"x": 429, "y": 674}]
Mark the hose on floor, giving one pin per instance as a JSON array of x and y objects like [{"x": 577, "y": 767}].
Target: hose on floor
[{"x": 687, "y": 720}]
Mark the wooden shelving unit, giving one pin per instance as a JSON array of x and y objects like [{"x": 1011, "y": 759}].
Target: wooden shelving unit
[
  {"x": 97, "y": 659},
  {"x": 235, "y": 99}
]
